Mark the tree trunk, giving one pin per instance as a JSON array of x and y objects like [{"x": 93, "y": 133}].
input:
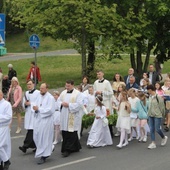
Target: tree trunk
[
  {"x": 147, "y": 57},
  {"x": 139, "y": 70},
  {"x": 83, "y": 51},
  {"x": 91, "y": 58},
  {"x": 132, "y": 60}
]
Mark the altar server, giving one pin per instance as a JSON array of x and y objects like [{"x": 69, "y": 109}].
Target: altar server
[
  {"x": 5, "y": 141},
  {"x": 29, "y": 97},
  {"x": 104, "y": 88}
]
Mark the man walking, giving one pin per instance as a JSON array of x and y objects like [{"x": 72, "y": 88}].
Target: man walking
[
  {"x": 71, "y": 102},
  {"x": 44, "y": 108},
  {"x": 29, "y": 98},
  {"x": 5, "y": 139}
]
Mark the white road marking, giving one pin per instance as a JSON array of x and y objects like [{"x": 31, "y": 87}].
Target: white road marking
[
  {"x": 16, "y": 137},
  {"x": 70, "y": 163}
]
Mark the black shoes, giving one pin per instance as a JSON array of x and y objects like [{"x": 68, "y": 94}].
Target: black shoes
[
  {"x": 166, "y": 129},
  {"x": 66, "y": 154},
  {"x": 42, "y": 160},
  {"x": 34, "y": 150},
  {"x": 24, "y": 150},
  {"x": 6, "y": 165}
]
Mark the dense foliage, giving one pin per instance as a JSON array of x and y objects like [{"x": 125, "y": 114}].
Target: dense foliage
[{"x": 136, "y": 27}]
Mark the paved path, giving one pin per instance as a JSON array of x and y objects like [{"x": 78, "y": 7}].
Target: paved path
[{"x": 17, "y": 56}]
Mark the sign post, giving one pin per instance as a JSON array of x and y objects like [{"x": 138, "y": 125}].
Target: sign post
[
  {"x": 34, "y": 42},
  {"x": 2, "y": 29}
]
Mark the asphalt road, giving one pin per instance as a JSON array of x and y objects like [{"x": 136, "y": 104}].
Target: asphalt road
[
  {"x": 17, "y": 56},
  {"x": 135, "y": 156}
]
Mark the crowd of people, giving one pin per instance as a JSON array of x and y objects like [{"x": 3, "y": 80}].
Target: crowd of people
[{"x": 141, "y": 105}]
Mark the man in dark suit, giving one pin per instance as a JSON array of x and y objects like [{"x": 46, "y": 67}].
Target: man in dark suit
[
  {"x": 132, "y": 83},
  {"x": 127, "y": 77},
  {"x": 152, "y": 75}
]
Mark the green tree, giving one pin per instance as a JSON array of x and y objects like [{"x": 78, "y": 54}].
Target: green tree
[
  {"x": 144, "y": 26},
  {"x": 1, "y": 6},
  {"x": 80, "y": 20}
]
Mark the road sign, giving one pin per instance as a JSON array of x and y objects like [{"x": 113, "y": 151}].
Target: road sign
[
  {"x": 34, "y": 41},
  {"x": 2, "y": 38},
  {"x": 2, "y": 22}
]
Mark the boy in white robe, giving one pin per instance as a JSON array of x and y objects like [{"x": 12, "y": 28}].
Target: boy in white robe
[
  {"x": 5, "y": 139},
  {"x": 104, "y": 88},
  {"x": 29, "y": 97},
  {"x": 91, "y": 99},
  {"x": 44, "y": 108},
  {"x": 71, "y": 102}
]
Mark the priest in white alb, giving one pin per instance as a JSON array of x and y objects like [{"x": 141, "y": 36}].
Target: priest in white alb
[
  {"x": 44, "y": 108},
  {"x": 71, "y": 102},
  {"x": 5, "y": 139},
  {"x": 30, "y": 96}
]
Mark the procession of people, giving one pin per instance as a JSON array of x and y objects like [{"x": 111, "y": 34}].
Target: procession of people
[{"x": 57, "y": 117}]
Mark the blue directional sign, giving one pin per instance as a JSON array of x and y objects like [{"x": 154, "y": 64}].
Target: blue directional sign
[
  {"x": 2, "y": 38},
  {"x": 2, "y": 22},
  {"x": 34, "y": 41}
]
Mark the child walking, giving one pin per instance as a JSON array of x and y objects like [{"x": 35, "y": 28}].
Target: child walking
[
  {"x": 123, "y": 121},
  {"x": 141, "y": 108},
  {"x": 99, "y": 134},
  {"x": 57, "y": 136},
  {"x": 133, "y": 115}
]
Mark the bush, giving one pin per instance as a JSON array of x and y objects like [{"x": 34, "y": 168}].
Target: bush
[{"x": 88, "y": 120}]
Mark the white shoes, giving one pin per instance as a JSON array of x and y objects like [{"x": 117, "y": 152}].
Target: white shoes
[
  {"x": 141, "y": 139},
  {"x": 152, "y": 146},
  {"x": 164, "y": 140},
  {"x": 145, "y": 139},
  {"x": 55, "y": 142},
  {"x": 117, "y": 134},
  {"x": 130, "y": 139},
  {"x": 122, "y": 145},
  {"x": 53, "y": 148},
  {"x": 18, "y": 130},
  {"x": 137, "y": 137},
  {"x": 163, "y": 143},
  {"x": 119, "y": 146},
  {"x": 125, "y": 144}
]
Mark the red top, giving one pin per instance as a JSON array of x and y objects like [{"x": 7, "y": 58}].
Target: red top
[{"x": 31, "y": 74}]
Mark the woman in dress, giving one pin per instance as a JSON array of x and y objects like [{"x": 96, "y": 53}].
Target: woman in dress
[
  {"x": 15, "y": 98},
  {"x": 85, "y": 83},
  {"x": 117, "y": 80},
  {"x": 99, "y": 134},
  {"x": 123, "y": 121}
]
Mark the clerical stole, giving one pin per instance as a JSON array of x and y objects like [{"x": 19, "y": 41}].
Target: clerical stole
[{"x": 71, "y": 116}]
